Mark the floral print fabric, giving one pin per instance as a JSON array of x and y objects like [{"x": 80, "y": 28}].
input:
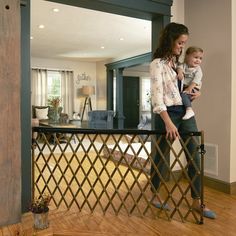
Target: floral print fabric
[{"x": 164, "y": 86}]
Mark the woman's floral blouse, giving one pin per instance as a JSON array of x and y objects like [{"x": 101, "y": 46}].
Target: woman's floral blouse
[{"x": 164, "y": 86}]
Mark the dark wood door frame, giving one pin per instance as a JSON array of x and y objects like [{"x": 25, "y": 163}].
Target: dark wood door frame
[{"x": 157, "y": 11}]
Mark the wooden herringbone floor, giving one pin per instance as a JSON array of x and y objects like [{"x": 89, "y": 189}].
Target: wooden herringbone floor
[
  {"x": 65, "y": 223},
  {"x": 72, "y": 222}
]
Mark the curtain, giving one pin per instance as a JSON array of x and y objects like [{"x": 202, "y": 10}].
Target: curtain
[
  {"x": 39, "y": 87},
  {"x": 67, "y": 92}
]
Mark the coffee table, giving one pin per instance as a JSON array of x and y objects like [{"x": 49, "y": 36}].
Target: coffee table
[
  {"x": 61, "y": 137},
  {"x": 57, "y": 125}
]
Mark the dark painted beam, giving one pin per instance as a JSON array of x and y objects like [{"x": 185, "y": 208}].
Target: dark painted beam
[
  {"x": 119, "y": 98},
  {"x": 143, "y": 9},
  {"x": 110, "y": 86},
  {"x": 26, "y": 177},
  {"x": 132, "y": 61}
]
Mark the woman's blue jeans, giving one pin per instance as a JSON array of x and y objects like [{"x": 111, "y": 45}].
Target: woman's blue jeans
[{"x": 184, "y": 127}]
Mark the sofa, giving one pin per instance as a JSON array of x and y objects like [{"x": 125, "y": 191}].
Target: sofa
[
  {"x": 100, "y": 119},
  {"x": 46, "y": 113}
]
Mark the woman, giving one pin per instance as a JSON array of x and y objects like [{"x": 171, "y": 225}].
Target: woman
[{"x": 168, "y": 110}]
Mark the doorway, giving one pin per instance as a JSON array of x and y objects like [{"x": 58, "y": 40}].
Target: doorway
[
  {"x": 156, "y": 11},
  {"x": 131, "y": 101}
]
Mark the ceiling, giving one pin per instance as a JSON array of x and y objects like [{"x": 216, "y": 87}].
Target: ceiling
[{"x": 76, "y": 33}]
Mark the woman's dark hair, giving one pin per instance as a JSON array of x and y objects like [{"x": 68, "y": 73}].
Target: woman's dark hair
[{"x": 169, "y": 34}]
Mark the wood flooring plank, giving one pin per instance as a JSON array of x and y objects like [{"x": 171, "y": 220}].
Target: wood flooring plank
[{"x": 72, "y": 223}]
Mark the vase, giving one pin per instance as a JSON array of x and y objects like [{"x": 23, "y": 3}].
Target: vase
[
  {"x": 41, "y": 220},
  {"x": 55, "y": 117}
]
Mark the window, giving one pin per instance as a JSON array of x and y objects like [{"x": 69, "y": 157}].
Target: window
[
  {"x": 47, "y": 84},
  {"x": 53, "y": 84}
]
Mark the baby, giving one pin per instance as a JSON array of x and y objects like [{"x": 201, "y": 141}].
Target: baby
[{"x": 190, "y": 73}]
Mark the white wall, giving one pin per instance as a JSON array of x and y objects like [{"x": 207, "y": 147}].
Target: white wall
[
  {"x": 177, "y": 11},
  {"x": 209, "y": 22},
  {"x": 78, "y": 68},
  {"x": 101, "y": 86}
]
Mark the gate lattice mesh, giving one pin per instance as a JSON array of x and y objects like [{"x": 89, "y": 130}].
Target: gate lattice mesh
[{"x": 112, "y": 172}]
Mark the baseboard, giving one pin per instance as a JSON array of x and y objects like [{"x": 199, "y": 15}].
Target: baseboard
[
  {"x": 233, "y": 188},
  {"x": 219, "y": 185}
]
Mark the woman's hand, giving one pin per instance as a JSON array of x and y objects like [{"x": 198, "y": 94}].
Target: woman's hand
[
  {"x": 195, "y": 95},
  {"x": 171, "y": 131},
  {"x": 188, "y": 90}
]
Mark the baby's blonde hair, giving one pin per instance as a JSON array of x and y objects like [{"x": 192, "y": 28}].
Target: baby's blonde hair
[{"x": 193, "y": 49}]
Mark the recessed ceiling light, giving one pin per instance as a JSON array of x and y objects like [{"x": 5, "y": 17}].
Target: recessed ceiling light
[
  {"x": 41, "y": 26},
  {"x": 55, "y": 9},
  {"x": 121, "y": 39},
  {"x": 31, "y": 37},
  {"x": 102, "y": 47}
]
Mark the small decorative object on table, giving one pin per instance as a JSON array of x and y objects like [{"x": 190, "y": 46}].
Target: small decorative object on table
[
  {"x": 39, "y": 208},
  {"x": 54, "y": 102}
]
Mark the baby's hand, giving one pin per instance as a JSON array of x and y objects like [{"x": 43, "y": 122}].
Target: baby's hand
[
  {"x": 180, "y": 73},
  {"x": 180, "y": 76}
]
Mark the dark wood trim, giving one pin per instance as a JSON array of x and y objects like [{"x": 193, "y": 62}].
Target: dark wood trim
[
  {"x": 143, "y": 9},
  {"x": 23, "y": 3},
  {"x": 157, "y": 10},
  {"x": 119, "y": 98},
  {"x": 110, "y": 87},
  {"x": 119, "y": 66},
  {"x": 25, "y": 108},
  {"x": 167, "y": 2},
  {"x": 129, "y": 62}
]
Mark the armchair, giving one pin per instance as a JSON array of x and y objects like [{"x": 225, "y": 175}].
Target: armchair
[{"x": 100, "y": 119}]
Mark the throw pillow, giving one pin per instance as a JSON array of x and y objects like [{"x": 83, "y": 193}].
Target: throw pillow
[{"x": 41, "y": 113}]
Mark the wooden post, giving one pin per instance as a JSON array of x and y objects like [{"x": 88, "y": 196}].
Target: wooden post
[{"x": 10, "y": 135}]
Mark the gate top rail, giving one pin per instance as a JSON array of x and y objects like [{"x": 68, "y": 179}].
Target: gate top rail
[{"x": 44, "y": 129}]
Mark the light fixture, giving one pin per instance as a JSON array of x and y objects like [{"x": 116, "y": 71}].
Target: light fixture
[
  {"x": 41, "y": 26},
  {"x": 102, "y": 47},
  {"x": 55, "y": 10},
  {"x": 31, "y": 37},
  {"x": 87, "y": 91}
]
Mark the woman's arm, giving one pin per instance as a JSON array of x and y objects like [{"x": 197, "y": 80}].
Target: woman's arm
[
  {"x": 157, "y": 96},
  {"x": 157, "y": 92},
  {"x": 171, "y": 130}
]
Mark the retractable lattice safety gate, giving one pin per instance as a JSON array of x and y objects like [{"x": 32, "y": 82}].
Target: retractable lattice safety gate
[{"x": 120, "y": 171}]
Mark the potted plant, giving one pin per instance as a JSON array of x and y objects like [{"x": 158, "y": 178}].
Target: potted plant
[
  {"x": 39, "y": 208},
  {"x": 54, "y": 103}
]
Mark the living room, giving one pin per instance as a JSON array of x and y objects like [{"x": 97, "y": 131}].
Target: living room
[
  {"x": 71, "y": 51},
  {"x": 215, "y": 70}
]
